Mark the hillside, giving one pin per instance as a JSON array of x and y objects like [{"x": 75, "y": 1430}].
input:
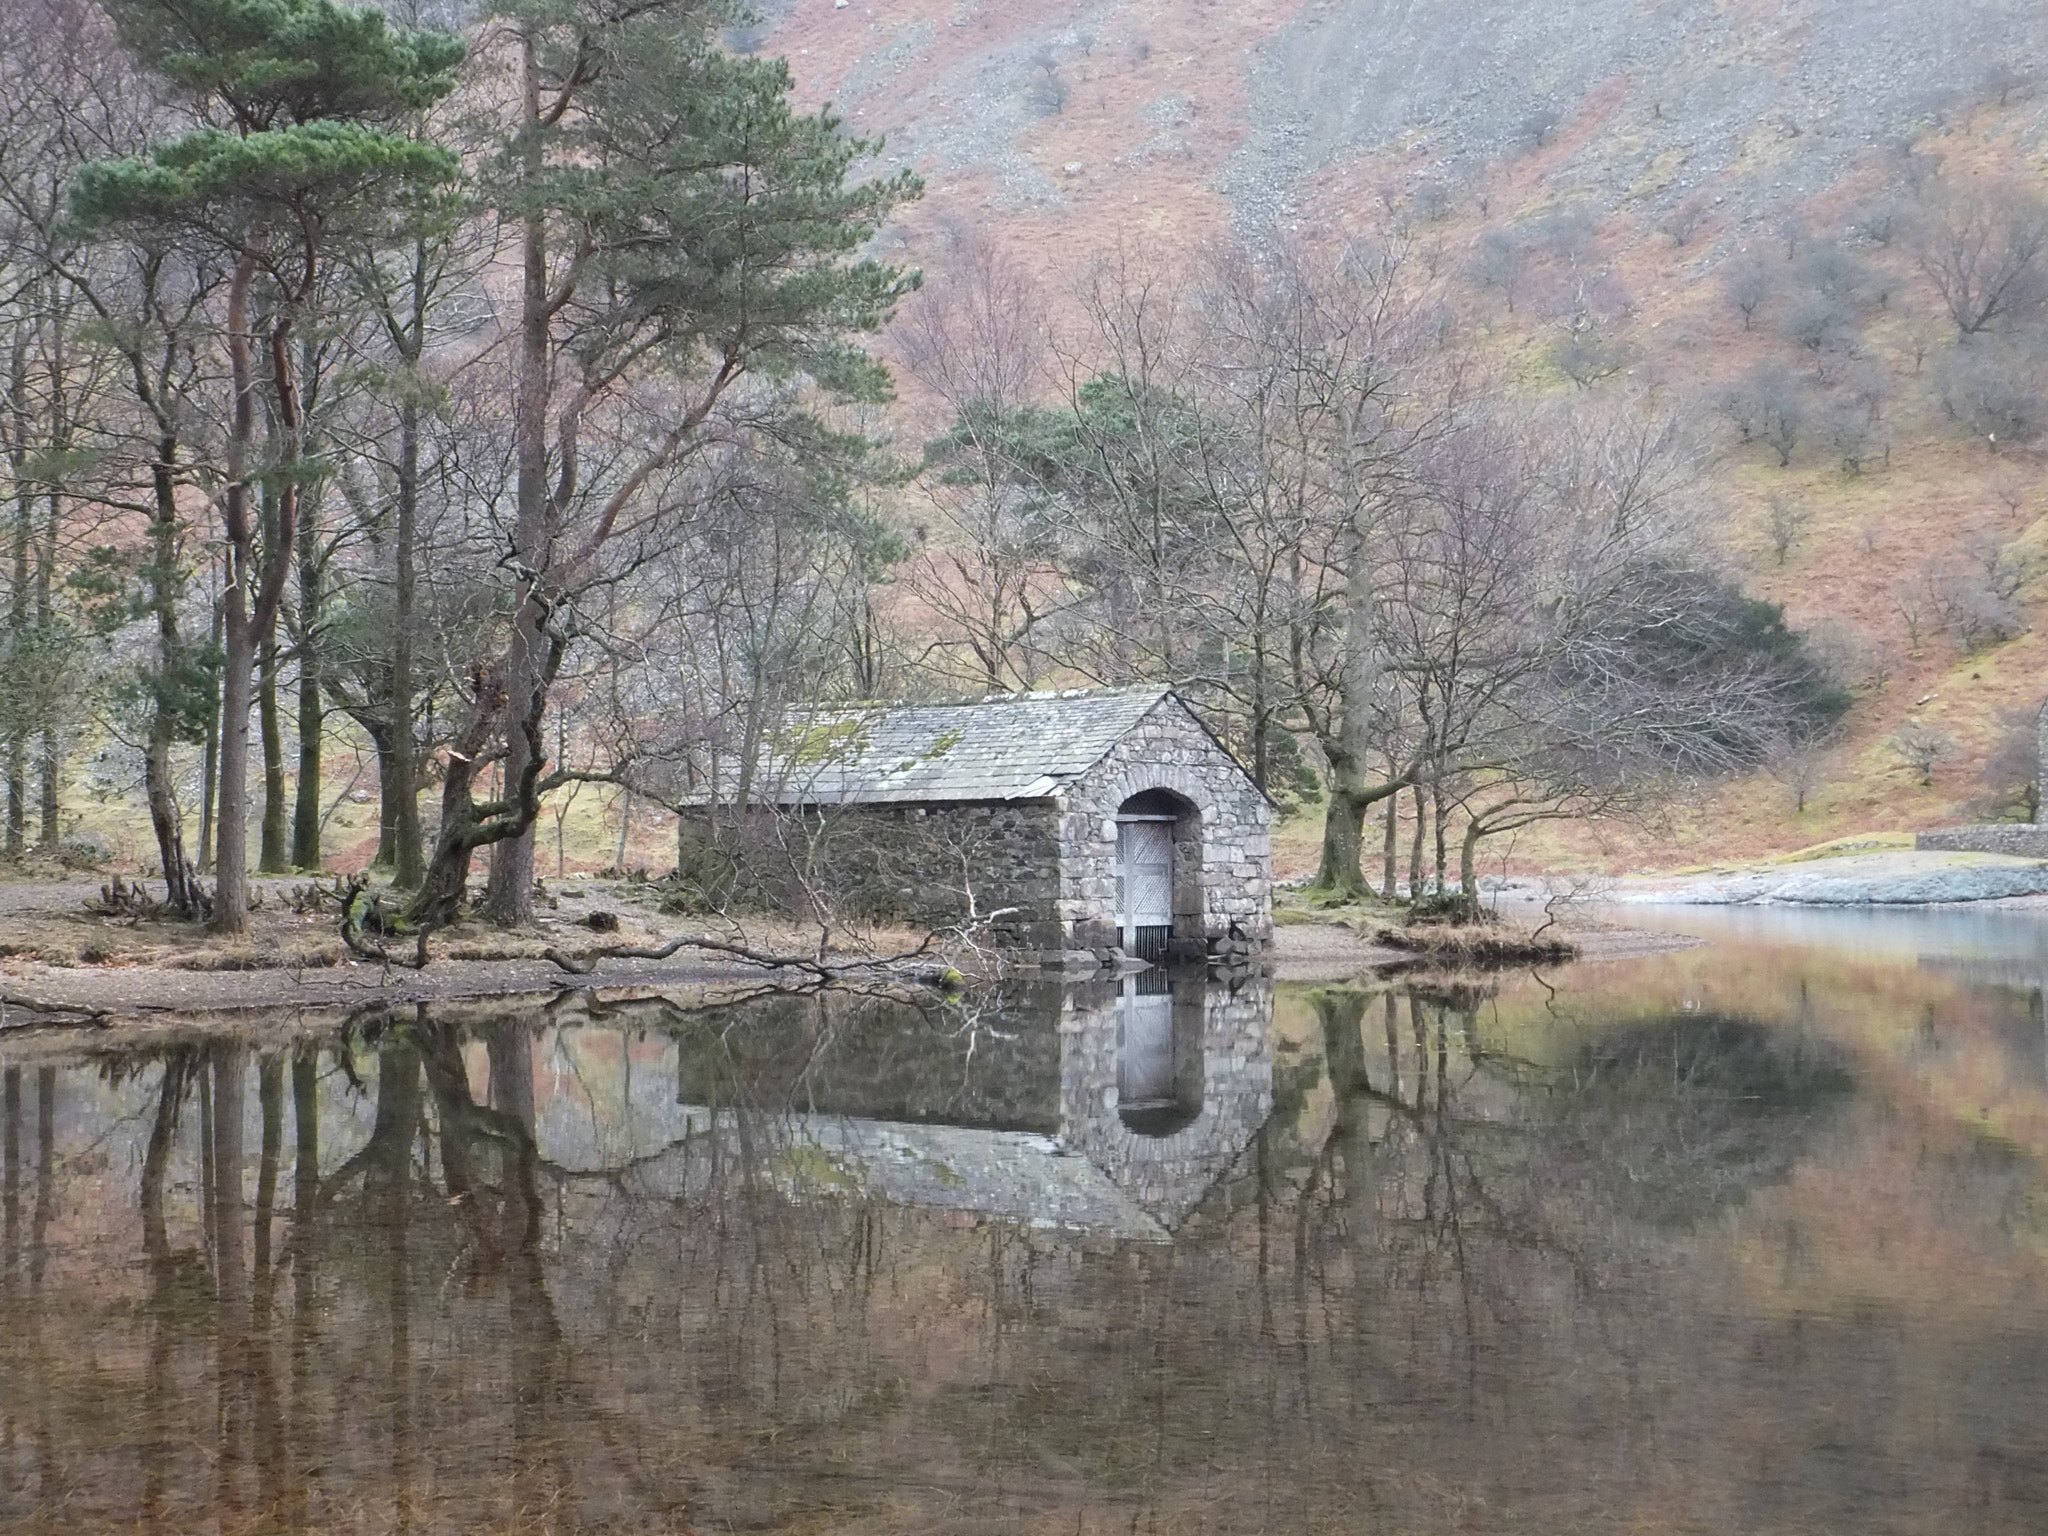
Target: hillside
[{"x": 1601, "y": 176}]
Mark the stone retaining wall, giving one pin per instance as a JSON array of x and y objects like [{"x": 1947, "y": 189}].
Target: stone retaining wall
[{"x": 2027, "y": 840}]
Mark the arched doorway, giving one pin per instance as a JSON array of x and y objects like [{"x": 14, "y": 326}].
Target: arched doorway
[{"x": 1158, "y": 874}]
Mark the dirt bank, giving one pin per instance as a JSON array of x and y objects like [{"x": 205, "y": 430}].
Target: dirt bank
[{"x": 55, "y": 949}]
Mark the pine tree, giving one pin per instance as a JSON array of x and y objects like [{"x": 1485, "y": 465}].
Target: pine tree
[
  {"x": 298, "y": 105},
  {"x": 680, "y": 228}
]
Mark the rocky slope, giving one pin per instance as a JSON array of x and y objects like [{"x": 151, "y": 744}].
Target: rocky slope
[{"x": 1637, "y": 151}]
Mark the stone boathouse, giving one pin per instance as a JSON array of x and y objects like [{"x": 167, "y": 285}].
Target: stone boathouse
[{"x": 1091, "y": 819}]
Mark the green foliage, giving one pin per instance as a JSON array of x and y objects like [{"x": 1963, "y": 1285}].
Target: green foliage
[
  {"x": 717, "y": 219},
  {"x": 103, "y": 585},
  {"x": 307, "y": 88},
  {"x": 45, "y": 675},
  {"x": 186, "y": 690},
  {"x": 280, "y": 63},
  {"x": 221, "y": 180}
]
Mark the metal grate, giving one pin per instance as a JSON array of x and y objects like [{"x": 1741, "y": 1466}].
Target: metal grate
[{"x": 1149, "y": 941}]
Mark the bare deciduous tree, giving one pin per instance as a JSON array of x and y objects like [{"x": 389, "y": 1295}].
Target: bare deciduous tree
[
  {"x": 1981, "y": 244},
  {"x": 1923, "y": 750}
]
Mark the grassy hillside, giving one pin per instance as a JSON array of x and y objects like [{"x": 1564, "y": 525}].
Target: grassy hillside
[{"x": 1630, "y": 162}]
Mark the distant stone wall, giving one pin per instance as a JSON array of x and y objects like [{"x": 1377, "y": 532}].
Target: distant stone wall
[
  {"x": 2027, "y": 840},
  {"x": 1169, "y": 750}
]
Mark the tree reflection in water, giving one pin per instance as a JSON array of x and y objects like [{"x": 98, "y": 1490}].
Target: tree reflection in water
[{"x": 817, "y": 1264}]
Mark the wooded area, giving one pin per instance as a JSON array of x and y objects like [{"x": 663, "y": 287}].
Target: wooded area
[{"x": 509, "y": 401}]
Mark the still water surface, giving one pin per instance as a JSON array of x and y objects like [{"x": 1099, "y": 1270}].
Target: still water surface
[{"x": 1748, "y": 1238}]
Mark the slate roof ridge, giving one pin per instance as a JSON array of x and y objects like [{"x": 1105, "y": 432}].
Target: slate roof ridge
[
  {"x": 968, "y": 700},
  {"x": 1024, "y": 745}
]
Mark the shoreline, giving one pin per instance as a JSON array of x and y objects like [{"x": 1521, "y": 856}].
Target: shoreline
[
  {"x": 1851, "y": 879},
  {"x": 134, "y": 972}
]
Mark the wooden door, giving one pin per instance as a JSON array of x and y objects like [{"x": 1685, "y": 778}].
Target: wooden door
[{"x": 1144, "y": 880}]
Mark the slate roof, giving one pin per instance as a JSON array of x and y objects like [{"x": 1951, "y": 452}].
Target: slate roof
[{"x": 1017, "y": 746}]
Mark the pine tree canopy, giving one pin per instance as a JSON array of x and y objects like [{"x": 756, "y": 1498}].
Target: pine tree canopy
[
  {"x": 226, "y": 183},
  {"x": 311, "y": 88},
  {"x": 275, "y": 63},
  {"x": 714, "y": 214}
]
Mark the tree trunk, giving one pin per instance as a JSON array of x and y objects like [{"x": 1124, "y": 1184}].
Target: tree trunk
[
  {"x": 1262, "y": 750},
  {"x": 1390, "y": 871},
  {"x": 237, "y": 699},
  {"x": 1343, "y": 830},
  {"x": 254, "y": 591},
  {"x": 1345, "y": 738},
  {"x": 52, "y": 829},
  {"x": 1352, "y": 797},
  {"x": 1415, "y": 846},
  {"x": 1468, "y": 867},
  {"x": 18, "y": 589},
  {"x": 271, "y": 856},
  {"x": 209, "y": 771},
  {"x": 312, "y": 719},
  {"x": 1436, "y": 797},
  {"x": 467, "y": 825},
  {"x": 399, "y": 779},
  {"x": 164, "y": 819},
  {"x": 51, "y": 832},
  {"x": 386, "y": 856},
  {"x": 508, "y": 895},
  {"x": 508, "y": 899},
  {"x": 306, "y": 793},
  {"x": 166, "y": 585}
]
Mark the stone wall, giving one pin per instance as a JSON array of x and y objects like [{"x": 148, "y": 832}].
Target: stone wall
[
  {"x": 1053, "y": 860},
  {"x": 2027, "y": 840},
  {"x": 912, "y": 864},
  {"x": 932, "y": 861},
  {"x": 1232, "y": 829}
]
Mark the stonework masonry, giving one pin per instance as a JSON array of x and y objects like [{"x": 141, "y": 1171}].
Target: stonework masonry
[
  {"x": 949, "y": 814},
  {"x": 1224, "y": 847},
  {"x": 2024, "y": 839},
  {"x": 943, "y": 866}
]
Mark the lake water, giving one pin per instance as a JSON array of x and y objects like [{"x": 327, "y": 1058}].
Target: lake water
[{"x": 1748, "y": 1238}]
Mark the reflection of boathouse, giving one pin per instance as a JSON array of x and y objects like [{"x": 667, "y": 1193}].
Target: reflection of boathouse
[
  {"x": 1113, "y": 1108},
  {"x": 1092, "y": 818},
  {"x": 1163, "y": 1083}
]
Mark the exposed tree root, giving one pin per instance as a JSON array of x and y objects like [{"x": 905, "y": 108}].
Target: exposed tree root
[{"x": 362, "y": 918}]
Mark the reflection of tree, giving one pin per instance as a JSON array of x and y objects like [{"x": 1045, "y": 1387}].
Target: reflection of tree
[
  {"x": 1681, "y": 1116},
  {"x": 1448, "y": 1225},
  {"x": 1447, "y": 1288},
  {"x": 1442, "y": 1146}
]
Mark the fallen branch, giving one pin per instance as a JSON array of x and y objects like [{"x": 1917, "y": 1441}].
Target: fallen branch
[{"x": 904, "y": 965}]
